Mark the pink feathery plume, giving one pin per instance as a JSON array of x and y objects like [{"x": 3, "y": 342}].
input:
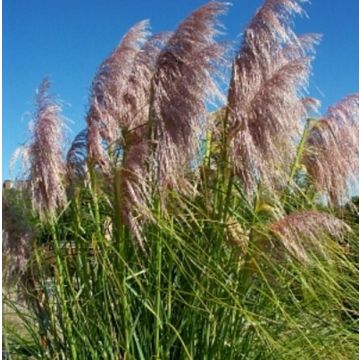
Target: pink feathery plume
[
  {"x": 134, "y": 122},
  {"x": 184, "y": 83},
  {"x": 134, "y": 189},
  {"x": 108, "y": 85},
  {"x": 44, "y": 154},
  {"x": 135, "y": 97},
  {"x": 96, "y": 153},
  {"x": 76, "y": 158},
  {"x": 332, "y": 150},
  {"x": 265, "y": 109},
  {"x": 119, "y": 112},
  {"x": 301, "y": 232}
]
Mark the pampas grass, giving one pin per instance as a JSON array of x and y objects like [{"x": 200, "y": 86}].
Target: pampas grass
[
  {"x": 265, "y": 111},
  {"x": 43, "y": 154},
  {"x": 331, "y": 158},
  {"x": 170, "y": 232},
  {"x": 184, "y": 82}
]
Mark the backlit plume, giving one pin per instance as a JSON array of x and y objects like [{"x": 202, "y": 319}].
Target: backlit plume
[
  {"x": 183, "y": 85},
  {"x": 332, "y": 152},
  {"x": 134, "y": 124},
  {"x": 46, "y": 168},
  {"x": 107, "y": 89},
  {"x": 265, "y": 108}
]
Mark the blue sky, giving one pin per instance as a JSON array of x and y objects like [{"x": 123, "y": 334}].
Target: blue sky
[{"x": 68, "y": 39}]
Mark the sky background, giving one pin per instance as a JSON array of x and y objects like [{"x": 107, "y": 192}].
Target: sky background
[{"x": 68, "y": 39}]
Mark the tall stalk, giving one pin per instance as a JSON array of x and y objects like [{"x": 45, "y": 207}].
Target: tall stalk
[
  {"x": 121, "y": 246},
  {"x": 95, "y": 198},
  {"x": 227, "y": 171},
  {"x": 62, "y": 274}
]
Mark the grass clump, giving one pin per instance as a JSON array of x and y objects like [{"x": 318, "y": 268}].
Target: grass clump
[{"x": 169, "y": 232}]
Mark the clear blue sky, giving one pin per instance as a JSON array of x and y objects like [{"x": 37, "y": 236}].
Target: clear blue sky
[{"x": 68, "y": 39}]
